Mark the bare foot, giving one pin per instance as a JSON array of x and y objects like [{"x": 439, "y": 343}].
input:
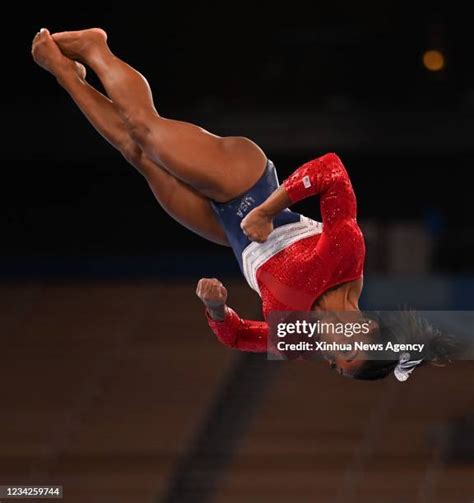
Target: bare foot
[
  {"x": 48, "y": 56},
  {"x": 78, "y": 45}
]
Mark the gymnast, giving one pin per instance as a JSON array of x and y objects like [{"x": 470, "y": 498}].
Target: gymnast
[{"x": 226, "y": 190}]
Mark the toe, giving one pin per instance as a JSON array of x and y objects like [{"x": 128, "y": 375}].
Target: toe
[
  {"x": 41, "y": 36},
  {"x": 43, "y": 33},
  {"x": 38, "y": 35}
]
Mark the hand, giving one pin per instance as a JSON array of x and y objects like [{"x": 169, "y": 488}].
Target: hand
[
  {"x": 48, "y": 56},
  {"x": 214, "y": 296},
  {"x": 257, "y": 225}
]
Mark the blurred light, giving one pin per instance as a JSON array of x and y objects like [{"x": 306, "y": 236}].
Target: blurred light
[{"x": 433, "y": 60}]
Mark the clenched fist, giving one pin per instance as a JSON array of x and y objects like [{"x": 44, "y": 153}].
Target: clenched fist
[
  {"x": 214, "y": 296},
  {"x": 257, "y": 225}
]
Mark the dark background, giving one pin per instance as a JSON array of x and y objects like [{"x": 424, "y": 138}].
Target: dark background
[
  {"x": 298, "y": 80},
  {"x": 111, "y": 382}
]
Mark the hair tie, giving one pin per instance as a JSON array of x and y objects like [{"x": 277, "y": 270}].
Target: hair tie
[{"x": 405, "y": 367}]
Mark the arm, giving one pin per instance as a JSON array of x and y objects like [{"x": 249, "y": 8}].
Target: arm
[
  {"x": 325, "y": 177},
  {"x": 229, "y": 328},
  {"x": 237, "y": 333}
]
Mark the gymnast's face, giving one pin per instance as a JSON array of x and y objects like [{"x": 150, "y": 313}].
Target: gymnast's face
[
  {"x": 348, "y": 365},
  {"x": 348, "y": 362}
]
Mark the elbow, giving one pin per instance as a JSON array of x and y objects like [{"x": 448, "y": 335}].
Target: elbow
[
  {"x": 335, "y": 168},
  {"x": 332, "y": 158}
]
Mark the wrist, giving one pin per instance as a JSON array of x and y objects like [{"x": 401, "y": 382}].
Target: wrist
[
  {"x": 275, "y": 203},
  {"x": 217, "y": 313},
  {"x": 266, "y": 211}
]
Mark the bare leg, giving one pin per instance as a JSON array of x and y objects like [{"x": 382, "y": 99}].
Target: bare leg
[
  {"x": 179, "y": 200},
  {"x": 220, "y": 168}
]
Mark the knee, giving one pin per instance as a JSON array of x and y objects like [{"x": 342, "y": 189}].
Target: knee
[
  {"x": 138, "y": 126},
  {"x": 132, "y": 152}
]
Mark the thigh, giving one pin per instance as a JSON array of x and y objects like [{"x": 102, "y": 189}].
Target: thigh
[
  {"x": 218, "y": 167},
  {"x": 183, "y": 203}
]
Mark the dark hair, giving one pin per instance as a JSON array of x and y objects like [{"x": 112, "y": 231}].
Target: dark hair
[{"x": 408, "y": 327}]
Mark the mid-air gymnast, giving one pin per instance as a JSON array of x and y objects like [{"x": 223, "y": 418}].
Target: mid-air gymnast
[{"x": 226, "y": 190}]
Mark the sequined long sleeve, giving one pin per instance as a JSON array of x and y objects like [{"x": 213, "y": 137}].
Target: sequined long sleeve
[
  {"x": 326, "y": 177},
  {"x": 237, "y": 333}
]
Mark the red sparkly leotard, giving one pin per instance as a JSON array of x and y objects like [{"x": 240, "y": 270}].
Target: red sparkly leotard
[{"x": 294, "y": 278}]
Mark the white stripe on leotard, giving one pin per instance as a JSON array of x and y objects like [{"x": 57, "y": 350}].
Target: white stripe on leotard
[{"x": 256, "y": 254}]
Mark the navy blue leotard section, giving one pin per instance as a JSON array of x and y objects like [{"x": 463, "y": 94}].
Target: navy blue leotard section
[{"x": 231, "y": 213}]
